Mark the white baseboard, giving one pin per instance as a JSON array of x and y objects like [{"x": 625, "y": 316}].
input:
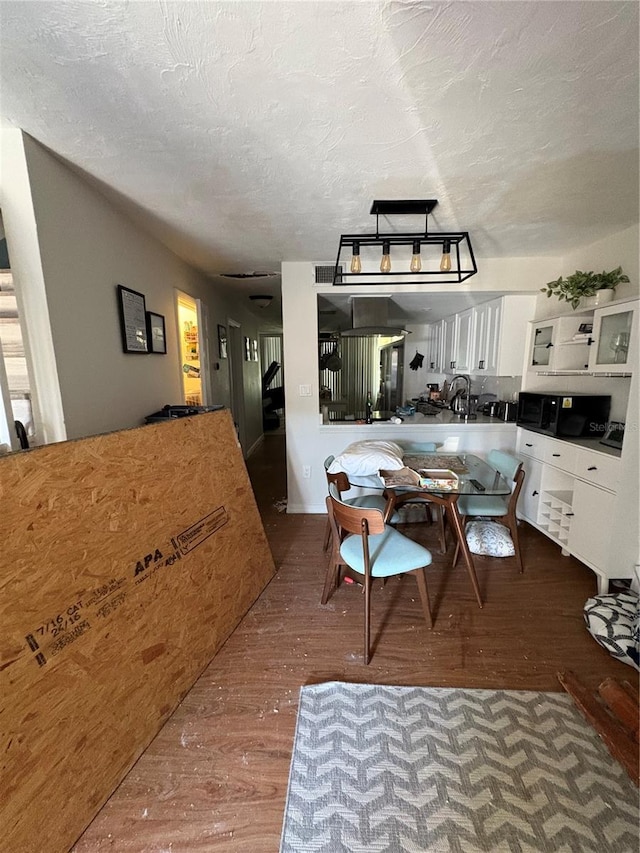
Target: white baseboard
[{"x": 306, "y": 509}]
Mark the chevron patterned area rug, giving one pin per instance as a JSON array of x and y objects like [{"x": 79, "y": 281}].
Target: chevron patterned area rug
[{"x": 393, "y": 769}]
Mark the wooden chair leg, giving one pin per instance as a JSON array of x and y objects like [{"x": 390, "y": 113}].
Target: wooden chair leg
[
  {"x": 327, "y": 535},
  {"x": 330, "y": 580},
  {"x": 456, "y": 553},
  {"x": 441, "y": 530},
  {"x": 512, "y": 523},
  {"x": 367, "y": 618},
  {"x": 421, "y": 579}
]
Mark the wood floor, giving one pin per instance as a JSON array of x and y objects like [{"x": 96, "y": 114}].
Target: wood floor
[{"x": 215, "y": 777}]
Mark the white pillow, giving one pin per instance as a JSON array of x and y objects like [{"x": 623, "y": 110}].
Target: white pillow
[
  {"x": 489, "y": 539},
  {"x": 367, "y": 457}
]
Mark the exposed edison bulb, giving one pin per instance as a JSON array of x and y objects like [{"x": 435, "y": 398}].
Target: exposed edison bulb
[
  {"x": 356, "y": 263},
  {"x": 445, "y": 261},
  {"x": 416, "y": 261},
  {"x": 385, "y": 263}
]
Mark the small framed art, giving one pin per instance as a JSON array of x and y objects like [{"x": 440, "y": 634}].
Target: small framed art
[
  {"x": 133, "y": 320},
  {"x": 156, "y": 333}
]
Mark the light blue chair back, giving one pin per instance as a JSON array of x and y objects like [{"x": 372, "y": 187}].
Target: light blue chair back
[
  {"x": 417, "y": 446},
  {"x": 504, "y": 464}
]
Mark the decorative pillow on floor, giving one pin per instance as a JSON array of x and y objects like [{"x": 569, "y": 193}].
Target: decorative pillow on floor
[
  {"x": 489, "y": 539},
  {"x": 614, "y": 622},
  {"x": 362, "y": 458}
]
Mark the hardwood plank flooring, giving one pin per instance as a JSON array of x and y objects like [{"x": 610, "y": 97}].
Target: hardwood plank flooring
[{"x": 215, "y": 777}]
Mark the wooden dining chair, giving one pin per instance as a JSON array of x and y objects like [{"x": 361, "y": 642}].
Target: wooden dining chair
[
  {"x": 373, "y": 549},
  {"x": 342, "y": 484},
  {"x": 497, "y": 507}
]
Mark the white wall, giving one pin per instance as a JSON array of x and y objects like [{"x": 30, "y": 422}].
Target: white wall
[
  {"x": 69, "y": 248},
  {"x": 618, "y": 250}
]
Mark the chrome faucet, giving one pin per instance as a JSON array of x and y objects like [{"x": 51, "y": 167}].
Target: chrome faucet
[{"x": 459, "y": 397}]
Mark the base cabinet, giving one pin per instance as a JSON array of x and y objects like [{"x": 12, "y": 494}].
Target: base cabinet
[
  {"x": 569, "y": 494},
  {"x": 589, "y": 538},
  {"x": 530, "y": 494}
]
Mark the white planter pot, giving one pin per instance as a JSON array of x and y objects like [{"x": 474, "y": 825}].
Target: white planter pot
[{"x": 598, "y": 299}]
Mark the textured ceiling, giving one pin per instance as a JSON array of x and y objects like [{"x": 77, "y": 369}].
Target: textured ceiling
[{"x": 243, "y": 134}]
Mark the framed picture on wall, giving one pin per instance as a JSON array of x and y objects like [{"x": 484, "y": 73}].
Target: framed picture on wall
[
  {"x": 133, "y": 320},
  {"x": 222, "y": 341},
  {"x": 254, "y": 350},
  {"x": 156, "y": 333},
  {"x": 247, "y": 349}
]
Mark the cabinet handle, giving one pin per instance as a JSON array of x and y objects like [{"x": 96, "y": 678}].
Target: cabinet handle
[
  {"x": 452, "y": 365},
  {"x": 556, "y": 454},
  {"x": 528, "y": 445},
  {"x": 567, "y": 514},
  {"x": 481, "y": 364},
  {"x": 592, "y": 468},
  {"x": 549, "y": 346},
  {"x": 534, "y": 493},
  {"x": 433, "y": 364}
]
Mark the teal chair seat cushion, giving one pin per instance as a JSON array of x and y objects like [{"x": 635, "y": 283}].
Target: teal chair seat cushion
[
  {"x": 491, "y": 505},
  {"x": 373, "y": 502},
  {"x": 390, "y": 553}
]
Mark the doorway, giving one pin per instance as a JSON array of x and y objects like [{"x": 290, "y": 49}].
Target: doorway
[{"x": 190, "y": 349}]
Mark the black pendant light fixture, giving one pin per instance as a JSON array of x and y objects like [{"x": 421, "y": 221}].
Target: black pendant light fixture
[{"x": 444, "y": 257}]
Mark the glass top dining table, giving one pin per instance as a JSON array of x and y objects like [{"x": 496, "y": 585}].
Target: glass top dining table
[
  {"x": 474, "y": 477},
  {"x": 467, "y": 466}
]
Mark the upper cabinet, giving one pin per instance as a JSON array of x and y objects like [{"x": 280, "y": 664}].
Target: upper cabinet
[
  {"x": 500, "y": 335},
  {"x": 590, "y": 342},
  {"x": 487, "y": 340},
  {"x": 615, "y": 333}
]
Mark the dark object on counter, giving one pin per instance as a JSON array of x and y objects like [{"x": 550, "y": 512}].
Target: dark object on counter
[
  {"x": 507, "y": 410},
  {"x": 491, "y": 409},
  {"x": 427, "y": 408},
  {"x": 568, "y": 415},
  {"x": 169, "y": 413}
]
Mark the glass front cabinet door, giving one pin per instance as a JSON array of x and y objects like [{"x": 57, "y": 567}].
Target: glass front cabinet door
[
  {"x": 615, "y": 333},
  {"x": 542, "y": 345}
]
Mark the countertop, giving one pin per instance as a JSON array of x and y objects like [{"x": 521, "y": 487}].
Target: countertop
[{"x": 445, "y": 417}]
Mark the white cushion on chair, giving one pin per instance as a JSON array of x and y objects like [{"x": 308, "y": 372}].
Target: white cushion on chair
[
  {"x": 367, "y": 457},
  {"x": 489, "y": 539},
  {"x": 614, "y": 622}
]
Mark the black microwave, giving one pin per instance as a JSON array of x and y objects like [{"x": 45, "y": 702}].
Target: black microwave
[{"x": 565, "y": 415}]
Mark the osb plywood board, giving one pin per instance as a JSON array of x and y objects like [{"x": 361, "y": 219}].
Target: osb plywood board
[{"x": 127, "y": 559}]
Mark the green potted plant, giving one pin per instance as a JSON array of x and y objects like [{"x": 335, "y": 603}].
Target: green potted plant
[{"x": 582, "y": 285}]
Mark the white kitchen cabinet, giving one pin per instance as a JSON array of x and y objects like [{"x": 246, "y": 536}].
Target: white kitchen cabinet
[
  {"x": 559, "y": 345},
  {"x": 448, "y": 344},
  {"x": 530, "y": 494},
  {"x": 500, "y": 328},
  {"x": 589, "y": 535},
  {"x": 463, "y": 346},
  {"x": 569, "y": 494},
  {"x": 615, "y": 333},
  {"x": 434, "y": 347}
]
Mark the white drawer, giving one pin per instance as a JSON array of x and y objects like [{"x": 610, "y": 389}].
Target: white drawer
[
  {"x": 561, "y": 454},
  {"x": 597, "y": 468},
  {"x": 531, "y": 444}
]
